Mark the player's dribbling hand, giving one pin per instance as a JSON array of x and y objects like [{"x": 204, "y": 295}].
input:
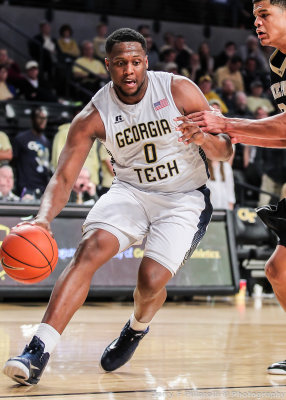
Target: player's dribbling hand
[
  {"x": 210, "y": 121},
  {"x": 191, "y": 132},
  {"x": 37, "y": 221}
]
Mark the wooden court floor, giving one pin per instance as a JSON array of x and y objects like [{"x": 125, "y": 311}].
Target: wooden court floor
[{"x": 217, "y": 349}]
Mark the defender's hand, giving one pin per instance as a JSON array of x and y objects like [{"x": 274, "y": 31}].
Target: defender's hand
[
  {"x": 191, "y": 132},
  {"x": 210, "y": 121}
]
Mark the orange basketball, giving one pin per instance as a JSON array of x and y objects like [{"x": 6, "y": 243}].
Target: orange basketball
[{"x": 29, "y": 254}]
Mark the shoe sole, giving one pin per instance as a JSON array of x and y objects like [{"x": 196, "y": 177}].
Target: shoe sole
[
  {"x": 101, "y": 369},
  {"x": 276, "y": 371},
  {"x": 17, "y": 371}
]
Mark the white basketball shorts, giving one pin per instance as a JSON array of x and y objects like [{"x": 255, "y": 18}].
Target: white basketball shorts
[{"x": 173, "y": 223}]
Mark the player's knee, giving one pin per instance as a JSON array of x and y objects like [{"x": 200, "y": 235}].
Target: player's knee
[
  {"x": 274, "y": 273},
  {"x": 94, "y": 249},
  {"x": 148, "y": 287}
]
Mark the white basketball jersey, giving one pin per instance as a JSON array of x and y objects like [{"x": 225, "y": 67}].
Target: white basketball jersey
[{"x": 144, "y": 143}]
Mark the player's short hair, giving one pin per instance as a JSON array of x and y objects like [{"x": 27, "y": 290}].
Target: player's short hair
[
  {"x": 280, "y": 3},
  {"x": 124, "y": 35}
]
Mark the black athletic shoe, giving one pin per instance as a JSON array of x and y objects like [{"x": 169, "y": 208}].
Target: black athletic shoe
[
  {"x": 278, "y": 368},
  {"x": 121, "y": 349},
  {"x": 29, "y": 366},
  {"x": 274, "y": 217}
]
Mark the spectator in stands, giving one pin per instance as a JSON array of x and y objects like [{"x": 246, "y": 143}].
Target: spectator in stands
[
  {"x": 257, "y": 98},
  {"x": 83, "y": 191},
  {"x": 169, "y": 42},
  {"x": 7, "y": 91},
  {"x": 183, "y": 52},
  {"x": 206, "y": 60},
  {"x": 193, "y": 70},
  {"x": 7, "y": 184},
  {"x": 205, "y": 84},
  {"x": 92, "y": 162},
  {"x": 33, "y": 88},
  {"x": 153, "y": 56},
  {"x": 67, "y": 46},
  {"x": 99, "y": 41},
  {"x": 223, "y": 57},
  {"x": 251, "y": 73},
  {"x": 252, "y": 49},
  {"x": 227, "y": 94},
  {"x": 241, "y": 109},
  {"x": 43, "y": 48},
  {"x": 144, "y": 29},
  {"x": 14, "y": 71},
  {"x": 221, "y": 185},
  {"x": 167, "y": 56},
  {"x": 93, "y": 73},
  {"x": 6, "y": 152},
  {"x": 31, "y": 154},
  {"x": 172, "y": 67},
  {"x": 232, "y": 70}
]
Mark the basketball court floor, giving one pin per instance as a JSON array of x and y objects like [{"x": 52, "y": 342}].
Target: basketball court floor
[{"x": 216, "y": 348}]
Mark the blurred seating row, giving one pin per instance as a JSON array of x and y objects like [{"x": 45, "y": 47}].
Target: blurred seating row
[{"x": 15, "y": 116}]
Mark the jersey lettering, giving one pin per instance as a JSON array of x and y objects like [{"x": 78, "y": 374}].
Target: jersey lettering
[
  {"x": 142, "y": 131},
  {"x": 158, "y": 173}
]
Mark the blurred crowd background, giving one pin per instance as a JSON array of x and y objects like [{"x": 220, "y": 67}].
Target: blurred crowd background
[{"x": 49, "y": 71}]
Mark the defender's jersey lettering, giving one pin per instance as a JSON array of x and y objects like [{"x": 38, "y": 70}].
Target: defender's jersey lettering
[
  {"x": 278, "y": 90},
  {"x": 278, "y": 79},
  {"x": 142, "y": 132}
]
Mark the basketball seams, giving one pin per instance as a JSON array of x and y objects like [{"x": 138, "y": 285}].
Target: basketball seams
[
  {"x": 45, "y": 233},
  {"x": 25, "y": 243},
  {"x": 20, "y": 261},
  {"x": 36, "y": 247},
  {"x": 16, "y": 278}
]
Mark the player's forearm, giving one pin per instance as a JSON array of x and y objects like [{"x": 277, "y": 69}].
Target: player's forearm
[
  {"x": 54, "y": 199},
  {"x": 217, "y": 147},
  {"x": 273, "y": 143},
  {"x": 266, "y": 128}
]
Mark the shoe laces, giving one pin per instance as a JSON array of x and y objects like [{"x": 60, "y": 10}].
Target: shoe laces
[{"x": 35, "y": 346}]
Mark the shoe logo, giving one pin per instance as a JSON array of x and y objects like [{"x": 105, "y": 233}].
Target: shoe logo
[
  {"x": 113, "y": 345},
  {"x": 9, "y": 266},
  {"x": 118, "y": 119},
  {"x": 34, "y": 367}
]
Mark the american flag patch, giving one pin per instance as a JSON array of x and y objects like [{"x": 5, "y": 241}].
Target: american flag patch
[{"x": 161, "y": 104}]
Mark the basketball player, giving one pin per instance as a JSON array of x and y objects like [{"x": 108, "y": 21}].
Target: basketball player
[
  {"x": 159, "y": 193},
  {"x": 270, "y": 23}
]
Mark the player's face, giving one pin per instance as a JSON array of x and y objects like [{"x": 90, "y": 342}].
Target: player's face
[
  {"x": 127, "y": 64},
  {"x": 270, "y": 23}
]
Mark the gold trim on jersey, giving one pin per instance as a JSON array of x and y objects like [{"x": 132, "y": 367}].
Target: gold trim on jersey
[{"x": 277, "y": 70}]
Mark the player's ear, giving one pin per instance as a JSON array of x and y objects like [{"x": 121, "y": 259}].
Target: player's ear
[
  {"x": 147, "y": 63},
  {"x": 106, "y": 63}
]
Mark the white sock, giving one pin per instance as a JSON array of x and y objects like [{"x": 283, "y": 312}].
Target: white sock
[
  {"x": 49, "y": 336},
  {"x": 136, "y": 325}
]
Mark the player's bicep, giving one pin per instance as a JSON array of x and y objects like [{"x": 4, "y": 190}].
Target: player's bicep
[{"x": 188, "y": 97}]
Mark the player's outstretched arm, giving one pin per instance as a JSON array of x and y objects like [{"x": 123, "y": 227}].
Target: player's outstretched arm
[
  {"x": 86, "y": 126},
  {"x": 270, "y": 128},
  {"x": 189, "y": 99}
]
